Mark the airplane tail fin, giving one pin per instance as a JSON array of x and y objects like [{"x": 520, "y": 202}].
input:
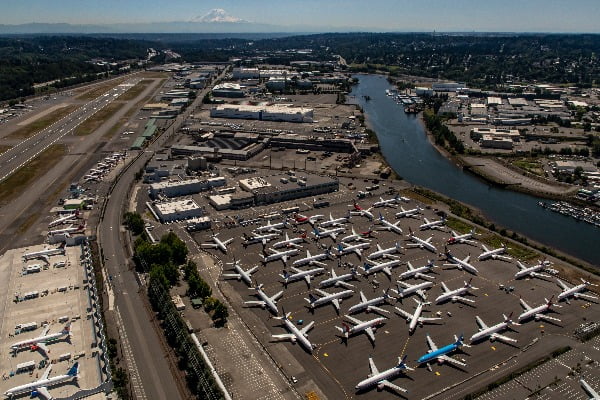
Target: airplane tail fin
[
  {"x": 311, "y": 298},
  {"x": 460, "y": 339},
  {"x": 402, "y": 362},
  {"x": 381, "y": 217},
  {"x": 410, "y": 231},
  {"x": 73, "y": 370}
]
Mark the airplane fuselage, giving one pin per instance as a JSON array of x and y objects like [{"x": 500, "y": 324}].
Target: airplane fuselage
[
  {"x": 300, "y": 338},
  {"x": 375, "y": 379}
]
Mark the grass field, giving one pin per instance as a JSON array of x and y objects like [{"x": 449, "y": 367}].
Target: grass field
[
  {"x": 458, "y": 226},
  {"x": 31, "y": 129},
  {"x": 135, "y": 91},
  {"x": 100, "y": 89},
  {"x": 15, "y": 184},
  {"x": 530, "y": 165},
  {"x": 514, "y": 250},
  {"x": 95, "y": 121}
]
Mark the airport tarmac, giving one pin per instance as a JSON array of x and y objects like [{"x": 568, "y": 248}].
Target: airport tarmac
[{"x": 55, "y": 296}]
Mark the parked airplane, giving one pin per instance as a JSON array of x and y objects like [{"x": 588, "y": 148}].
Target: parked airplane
[
  {"x": 418, "y": 272},
  {"x": 340, "y": 280},
  {"x": 409, "y": 289},
  {"x": 491, "y": 332},
  {"x": 312, "y": 260},
  {"x": 300, "y": 274},
  {"x": 242, "y": 275},
  {"x": 358, "y": 210},
  {"x": 388, "y": 226},
  {"x": 531, "y": 271},
  {"x": 256, "y": 238},
  {"x": 381, "y": 379},
  {"x": 589, "y": 390},
  {"x": 387, "y": 203},
  {"x": 276, "y": 227},
  {"x": 295, "y": 335},
  {"x": 333, "y": 298},
  {"x": 60, "y": 250},
  {"x": 63, "y": 220},
  {"x": 537, "y": 312},
  {"x": 357, "y": 236},
  {"x": 456, "y": 294},
  {"x": 433, "y": 224},
  {"x": 40, "y": 342},
  {"x": 380, "y": 252},
  {"x": 218, "y": 243},
  {"x": 265, "y": 301},
  {"x": 334, "y": 221},
  {"x": 412, "y": 213},
  {"x": 415, "y": 318},
  {"x": 441, "y": 354},
  {"x": 421, "y": 243},
  {"x": 66, "y": 231},
  {"x": 386, "y": 267},
  {"x": 367, "y": 327},
  {"x": 279, "y": 255},
  {"x": 293, "y": 242},
  {"x": 460, "y": 264},
  {"x": 370, "y": 305},
  {"x": 355, "y": 248},
  {"x": 40, "y": 387},
  {"x": 494, "y": 253},
  {"x": 301, "y": 219},
  {"x": 463, "y": 239},
  {"x": 333, "y": 232},
  {"x": 574, "y": 291}
]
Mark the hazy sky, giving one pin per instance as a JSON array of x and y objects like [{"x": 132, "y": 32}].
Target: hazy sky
[{"x": 400, "y": 15}]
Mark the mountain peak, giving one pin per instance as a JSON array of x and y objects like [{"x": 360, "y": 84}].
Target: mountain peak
[{"x": 217, "y": 15}]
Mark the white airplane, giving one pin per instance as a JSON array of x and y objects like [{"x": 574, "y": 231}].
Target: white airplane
[
  {"x": 574, "y": 291},
  {"x": 380, "y": 252},
  {"x": 257, "y": 238},
  {"x": 409, "y": 289},
  {"x": 295, "y": 335},
  {"x": 333, "y": 232},
  {"x": 532, "y": 272},
  {"x": 301, "y": 219},
  {"x": 494, "y": 253},
  {"x": 355, "y": 248},
  {"x": 70, "y": 229},
  {"x": 381, "y": 379},
  {"x": 40, "y": 387},
  {"x": 242, "y": 275},
  {"x": 491, "y": 332},
  {"x": 340, "y": 280},
  {"x": 370, "y": 305},
  {"x": 367, "y": 327},
  {"x": 415, "y": 318},
  {"x": 438, "y": 224},
  {"x": 358, "y": 210},
  {"x": 333, "y": 298},
  {"x": 463, "y": 239},
  {"x": 460, "y": 264},
  {"x": 63, "y": 220},
  {"x": 334, "y": 221},
  {"x": 218, "y": 243},
  {"x": 357, "y": 236},
  {"x": 312, "y": 260},
  {"x": 589, "y": 390},
  {"x": 420, "y": 243},
  {"x": 456, "y": 294},
  {"x": 537, "y": 312},
  {"x": 60, "y": 250},
  {"x": 276, "y": 227},
  {"x": 279, "y": 255},
  {"x": 300, "y": 274},
  {"x": 40, "y": 342},
  {"x": 386, "y": 267},
  {"x": 387, "y": 203},
  {"x": 293, "y": 242},
  {"x": 265, "y": 301},
  {"x": 412, "y": 213},
  {"x": 418, "y": 272},
  {"x": 388, "y": 226},
  {"x": 441, "y": 354}
]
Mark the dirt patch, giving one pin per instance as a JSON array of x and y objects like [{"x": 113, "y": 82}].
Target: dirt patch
[
  {"x": 42, "y": 114},
  {"x": 96, "y": 120}
]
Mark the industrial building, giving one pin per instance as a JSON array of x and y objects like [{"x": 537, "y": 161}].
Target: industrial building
[
  {"x": 197, "y": 224},
  {"x": 283, "y": 113},
  {"x": 186, "y": 187},
  {"x": 492, "y": 142},
  {"x": 283, "y": 187},
  {"x": 512, "y": 134},
  {"x": 246, "y": 73},
  {"x": 448, "y": 86},
  {"x": 177, "y": 210},
  {"x": 228, "y": 90}
]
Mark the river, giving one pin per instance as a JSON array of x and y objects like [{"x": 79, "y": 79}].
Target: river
[{"x": 405, "y": 146}]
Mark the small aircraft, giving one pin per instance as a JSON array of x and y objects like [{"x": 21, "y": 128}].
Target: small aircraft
[
  {"x": 340, "y": 280},
  {"x": 269, "y": 227},
  {"x": 63, "y": 220},
  {"x": 387, "y": 203},
  {"x": 279, "y": 255},
  {"x": 358, "y": 210},
  {"x": 370, "y": 305},
  {"x": 295, "y": 335},
  {"x": 381, "y": 379},
  {"x": 491, "y": 332},
  {"x": 333, "y": 298},
  {"x": 574, "y": 291},
  {"x": 456, "y": 294},
  {"x": 241, "y": 275},
  {"x": 418, "y": 272},
  {"x": 355, "y": 248},
  {"x": 40, "y": 342},
  {"x": 409, "y": 289},
  {"x": 302, "y": 219},
  {"x": 537, "y": 312},
  {"x": 40, "y": 387},
  {"x": 257, "y": 238},
  {"x": 532, "y": 271},
  {"x": 265, "y": 301},
  {"x": 415, "y": 318},
  {"x": 441, "y": 354},
  {"x": 367, "y": 327},
  {"x": 494, "y": 253},
  {"x": 293, "y": 242},
  {"x": 60, "y": 250},
  {"x": 438, "y": 224},
  {"x": 218, "y": 243},
  {"x": 312, "y": 260},
  {"x": 412, "y": 213},
  {"x": 388, "y": 226},
  {"x": 334, "y": 221},
  {"x": 589, "y": 390},
  {"x": 420, "y": 243},
  {"x": 357, "y": 236},
  {"x": 380, "y": 252},
  {"x": 68, "y": 230},
  {"x": 300, "y": 274},
  {"x": 460, "y": 264},
  {"x": 333, "y": 232},
  {"x": 386, "y": 267},
  {"x": 463, "y": 239}
]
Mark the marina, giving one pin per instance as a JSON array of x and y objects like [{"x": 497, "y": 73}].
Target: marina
[{"x": 578, "y": 213}]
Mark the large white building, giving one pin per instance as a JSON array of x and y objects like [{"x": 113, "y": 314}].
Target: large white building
[
  {"x": 177, "y": 210},
  {"x": 286, "y": 113},
  {"x": 448, "y": 86},
  {"x": 246, "y": 73},
  {"x": 183, "y": 188}
]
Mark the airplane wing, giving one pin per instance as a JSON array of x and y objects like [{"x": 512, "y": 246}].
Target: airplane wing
[
  {"x": 285, "y": 336},
  {"x": 284, "y": 258},
  {"x": 525, "y": 305},
  {"x": 46, "y": 373},
  {"x": 462, "y": 299},
  {"x": 585, "y": 296},
  {"x": 480, "y": 322},
  {"x": 387, "y": 271},
  {"x": 252, "y": 270},
  {"x": 452, "y": 360},
  {"x": 547, "y": 318},
  {"x": 444, "y": 286},
  {"x": 235, "y": 276},
  {"x": 43, "y": 390},
  {"x": 255, "y": 302},
  {"x": 344, "y": 284},
  {"x": 405, "y": 314},
  {"x": 354, "y": 320},
  {"x": 321, "y": 292},
  {"x": 319, "y": 263},
  {"x": 431, "y": 344},
  {"x": 363, "y": 299},
  {"x": 562, "y": 284},
  {"x": 208, "y": 245},
  {"x": 45, "y": 331},
  {"x": 372, "y": 367},
  {"x": 503, "y": 338},
  {"x": 370, "y": 334},
  {"x": 422, "y": 294},
  {"x": 336, "y": 304},
  {"x": 390, "y": 385},
  {"x": 307, "y": 279},
  {"x": 377, "y": 309},
  {"x": 276, "y": 296},
  {"x": 485, "y": 249},
  {"x": 43, "y": 348},
  {"x": 307, "y": 328},
  {"x": 428, "y": 319}
]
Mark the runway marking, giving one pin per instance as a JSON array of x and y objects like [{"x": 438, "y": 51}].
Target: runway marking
[{"x": 136, "y": 381}]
